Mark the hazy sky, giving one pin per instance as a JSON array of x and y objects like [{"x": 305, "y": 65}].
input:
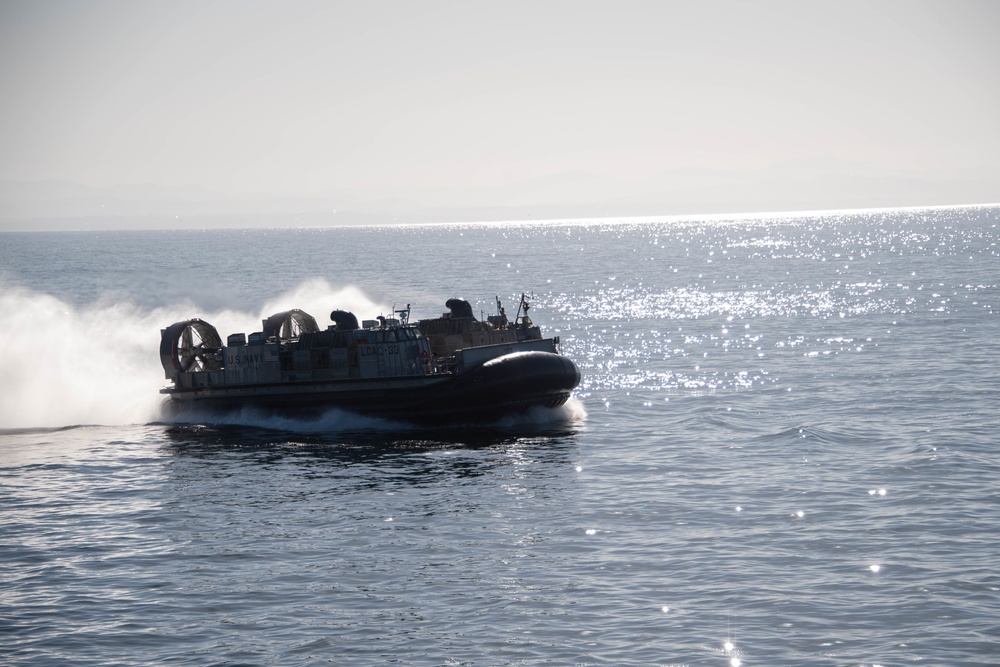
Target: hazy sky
[{"x": 290, "y": 97}]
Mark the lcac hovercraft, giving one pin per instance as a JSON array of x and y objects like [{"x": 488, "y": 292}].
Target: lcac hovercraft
[{"x": 450, "y": 369}]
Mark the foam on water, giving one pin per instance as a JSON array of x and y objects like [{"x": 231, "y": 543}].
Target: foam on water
[{"x": 571, "y": 414}]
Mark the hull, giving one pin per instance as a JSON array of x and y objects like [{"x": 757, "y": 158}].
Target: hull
[{"x": 506, "y": 385}]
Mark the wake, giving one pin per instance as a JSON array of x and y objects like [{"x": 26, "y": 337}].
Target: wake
[{"x": 338, "y": 421}]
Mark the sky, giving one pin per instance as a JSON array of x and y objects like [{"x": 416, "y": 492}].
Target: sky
[{"x": 431, "y": 101}]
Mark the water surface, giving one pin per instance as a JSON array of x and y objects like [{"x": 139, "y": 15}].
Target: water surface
[{"x": 783, "y": 452}]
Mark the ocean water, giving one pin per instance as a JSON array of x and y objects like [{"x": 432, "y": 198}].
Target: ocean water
[{"x": 784, "y": 451}]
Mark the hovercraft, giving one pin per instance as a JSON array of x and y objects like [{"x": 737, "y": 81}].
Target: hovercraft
[{"x": 449, "y": 369}]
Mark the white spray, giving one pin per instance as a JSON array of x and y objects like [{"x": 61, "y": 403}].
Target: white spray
[{"x": 63, "y": 365}]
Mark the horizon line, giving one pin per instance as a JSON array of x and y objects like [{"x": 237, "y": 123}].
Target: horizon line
[{"x": 612, "y": 219}]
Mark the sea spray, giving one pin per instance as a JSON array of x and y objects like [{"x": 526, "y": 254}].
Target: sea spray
[
  {"x": 67, "y": 365},
  {"x": 99, "y": 363}
]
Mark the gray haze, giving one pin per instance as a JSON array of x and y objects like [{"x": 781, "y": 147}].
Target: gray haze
[{"x": 129, "y": 114}]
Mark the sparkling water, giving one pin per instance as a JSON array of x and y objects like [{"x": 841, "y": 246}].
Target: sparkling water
[{"x": 784, "y": 451}]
